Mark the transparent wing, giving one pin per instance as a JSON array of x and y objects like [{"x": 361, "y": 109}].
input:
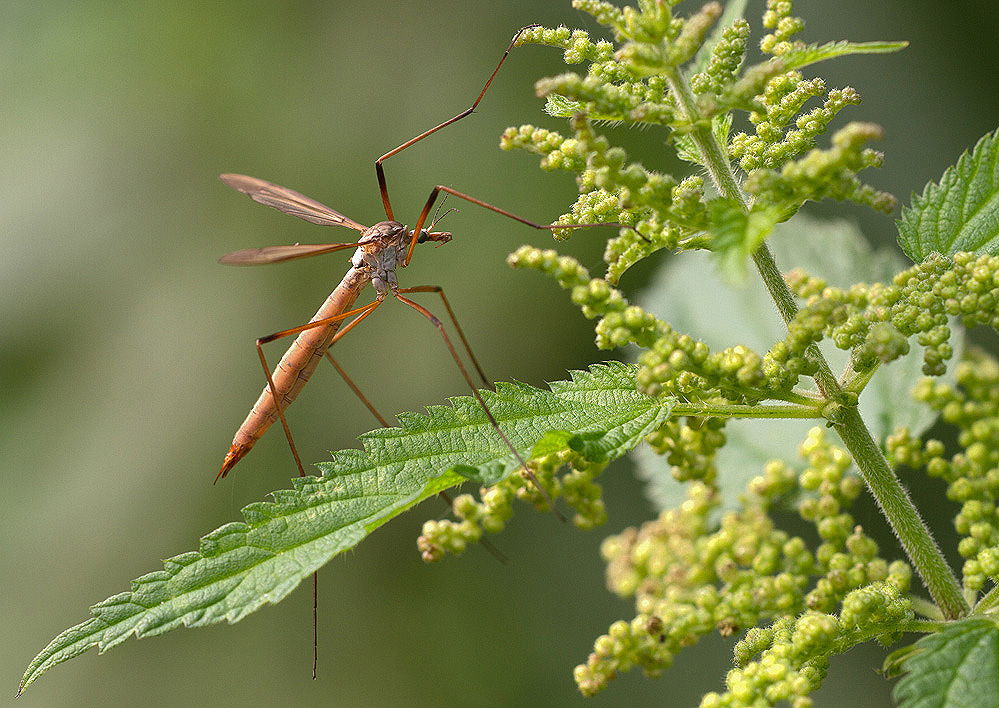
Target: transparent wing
[
  {"x": 276, "y": 254},
  {"x": 289, "y": 201}
]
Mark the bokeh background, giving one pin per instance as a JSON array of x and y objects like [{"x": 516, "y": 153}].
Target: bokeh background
[{"x": 126, "y": 351}]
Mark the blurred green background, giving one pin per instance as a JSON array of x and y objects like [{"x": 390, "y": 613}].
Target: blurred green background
[{"x": 127, "y": 352}]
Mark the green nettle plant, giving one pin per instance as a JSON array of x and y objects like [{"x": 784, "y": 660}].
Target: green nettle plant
[{"x": 738, "y": 436}]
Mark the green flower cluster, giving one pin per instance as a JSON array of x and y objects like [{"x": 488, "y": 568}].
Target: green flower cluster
[
  {"x": 794, "y": 651},
  {"x": 971, "y": 473},
  {"x": 822, "y": 173},
  {"x": 876, "y": 320},
  {"x": 565, "y": 474},
  {"x": 673, "y": 363},
  {"x": 689, "y": 446},
  {"x": 661, "y": 211},
  {"x": 726, "y": 58},
  {"x": 694, "y": 569},
  {"x": 690, "y": 576},
  {"x": 639, "y": 82},
  {"x": 778, "y": 17},
  {"x": 767, "y": 155}
]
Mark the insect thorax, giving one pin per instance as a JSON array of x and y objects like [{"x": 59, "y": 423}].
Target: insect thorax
[
  {"x": 379, "y": 250},
  {"x": 383, "y": 235}
]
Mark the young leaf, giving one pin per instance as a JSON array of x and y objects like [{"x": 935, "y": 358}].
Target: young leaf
[
  {"x": 954, "y": 668},
  {"x": 814, "y": 53},
  {"x": 961, "y": 213},
  {"x": 240, "y": 567},
  {"x": 736, "y": 234},
  {"x": 559, "y": 106},
  {"x": 687, "y": 150}
]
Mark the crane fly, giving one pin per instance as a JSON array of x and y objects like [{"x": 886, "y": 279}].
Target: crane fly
[{"x": 379, "y": 251}]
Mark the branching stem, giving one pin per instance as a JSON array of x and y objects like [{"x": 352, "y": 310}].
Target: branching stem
[{"x": 888, "y": 491}]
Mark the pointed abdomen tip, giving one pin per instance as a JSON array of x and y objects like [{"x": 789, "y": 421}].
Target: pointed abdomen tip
[{"x": 235, "y": 454}]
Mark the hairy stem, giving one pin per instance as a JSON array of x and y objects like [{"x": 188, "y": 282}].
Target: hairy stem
[
  {"x": 886, "y": 488},
  {"x": 902, "y": 514},
  {"x": 989, "y": 602},
  {"x": 736, "y": 410}
]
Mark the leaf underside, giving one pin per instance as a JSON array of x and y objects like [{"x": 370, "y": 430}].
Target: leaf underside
[
  {"x": 957, "y": 667},
  {"x": 243, "y": 566}
]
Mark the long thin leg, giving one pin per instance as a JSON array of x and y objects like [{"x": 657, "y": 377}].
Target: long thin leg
[
  {"x": 361, "y": 313},
  {"x": 315, "y": 623},
  {"x": 357, "y": 391},
  {"x": 277, "y": 406},
  {"x": 355, "y": 322},
  {"x": 237, "y": 452},
  {"x": 486, "y": 205},
  {"x": 485, "y": 542},
  {"x": 382, "y": 185},
  {"x": 454, "y": 320},
  {"x": 478, "y": 396}
]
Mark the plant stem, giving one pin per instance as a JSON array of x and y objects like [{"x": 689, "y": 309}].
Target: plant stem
[
  {"x": 737, "y": 410},
  {"x": 902, "y": 514},
  {"x": 990, "y": 601},
  {"x": 886, "y": 488}
]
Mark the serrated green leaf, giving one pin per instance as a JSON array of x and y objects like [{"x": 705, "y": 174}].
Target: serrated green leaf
[
  {"x": 957, "y": 667},
  {"x": 814, "y": 53},
  {"x": 961, "y": 212},
  {"x": 241, "y": 567}
]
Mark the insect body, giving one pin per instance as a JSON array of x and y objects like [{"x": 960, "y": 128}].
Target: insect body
[{"x": 380, "y": 250}]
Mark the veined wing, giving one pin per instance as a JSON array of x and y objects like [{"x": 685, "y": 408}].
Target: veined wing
[
  {"x": 277, "y": 254},
  {"x": 289, "y": 201}
]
